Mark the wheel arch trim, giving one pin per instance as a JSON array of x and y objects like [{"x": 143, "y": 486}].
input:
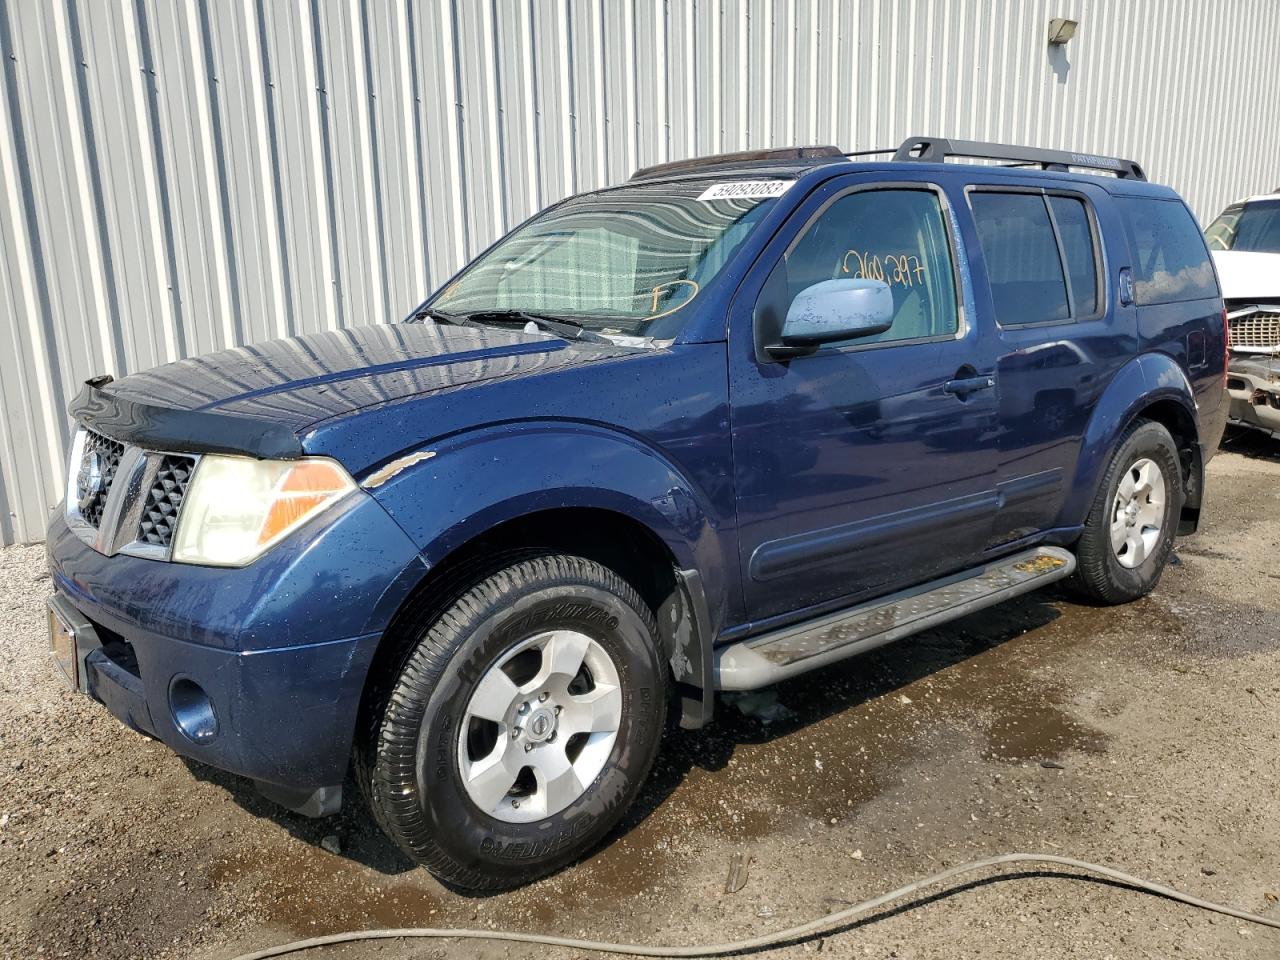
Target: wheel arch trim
[
  {"x": 1143, "y": 383},
  {"x": 541, "y": 468}
]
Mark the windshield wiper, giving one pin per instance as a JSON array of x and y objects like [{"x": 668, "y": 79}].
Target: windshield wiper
[
  {"x": 430, "y": 313},
  {"x": 561, "y": 326}
]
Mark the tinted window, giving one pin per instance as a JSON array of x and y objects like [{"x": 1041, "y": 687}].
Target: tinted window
[
  {"x": 1027, "y": 282},
  {"x": 1171, "y": 262},
  {"x": 898, "y": 236},
  {"x": 1076, "y": 234}
]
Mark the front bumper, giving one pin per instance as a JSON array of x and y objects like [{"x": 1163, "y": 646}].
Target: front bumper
[
  {"x": 280, "y": 648},
  {"x": 1253, "y": 383}
]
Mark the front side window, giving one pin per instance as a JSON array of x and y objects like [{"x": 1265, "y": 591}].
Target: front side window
[
  {"x": 898, "y": 236},
  {"x": 620, "y": 261},
  {"x": 1251, "y": 227},
  {"x": 1171, "y": 261}
]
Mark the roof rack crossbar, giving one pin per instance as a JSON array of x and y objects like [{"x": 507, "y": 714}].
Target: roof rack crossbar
[{"x": 938, "y": 149}]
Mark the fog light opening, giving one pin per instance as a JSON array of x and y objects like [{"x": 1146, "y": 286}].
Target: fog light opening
[{"x": 192, "y": 710}]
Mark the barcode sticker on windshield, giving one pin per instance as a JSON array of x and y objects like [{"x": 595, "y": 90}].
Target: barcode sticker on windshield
[{"x": 746, "y": 190}]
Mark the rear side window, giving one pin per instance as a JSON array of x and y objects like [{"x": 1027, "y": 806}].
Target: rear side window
[
  {"x": 1076, "y": 235},
  {"x": 1039, "y": 252},
  {"x": 1171, "y": 260}
]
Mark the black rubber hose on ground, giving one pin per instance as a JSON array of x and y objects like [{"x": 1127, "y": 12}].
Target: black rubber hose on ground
[{"x": 789, "y": 935}]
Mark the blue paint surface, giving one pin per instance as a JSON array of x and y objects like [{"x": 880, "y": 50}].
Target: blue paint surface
[{"x": 792, "y": 487}]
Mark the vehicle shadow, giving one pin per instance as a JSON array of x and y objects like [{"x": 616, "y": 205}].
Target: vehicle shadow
[
  {"x": 357, "y": 837},
  {"x": 812, "y": 698},
  {"x": 1250, "y": 443},
  {"x": 809, "y": 699}
]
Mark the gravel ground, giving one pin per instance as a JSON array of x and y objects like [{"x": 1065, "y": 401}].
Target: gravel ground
[{"x": 1145, "y": 737}]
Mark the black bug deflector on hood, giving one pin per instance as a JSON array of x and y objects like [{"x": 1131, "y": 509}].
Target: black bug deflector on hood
[
  {"x": 190, "y": 431},
  {"x": 264, "y": 400}
]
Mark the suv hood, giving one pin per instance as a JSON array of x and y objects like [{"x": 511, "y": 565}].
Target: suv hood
[
  {"x": 1248, "y": 276},
  {"x": 261, "y": 399}
]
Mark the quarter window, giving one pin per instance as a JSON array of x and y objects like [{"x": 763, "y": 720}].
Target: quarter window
[
  {"x": 1172, "y": 263},
  {"x": 898, "y": 236},
  {"x": 1026, "y": 240}
]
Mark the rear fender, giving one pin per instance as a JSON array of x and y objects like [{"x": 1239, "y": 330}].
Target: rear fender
[{"x": 1145, "y": 380}]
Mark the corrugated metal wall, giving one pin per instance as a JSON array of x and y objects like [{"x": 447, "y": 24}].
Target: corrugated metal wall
[{"x": 178, "y": 177}]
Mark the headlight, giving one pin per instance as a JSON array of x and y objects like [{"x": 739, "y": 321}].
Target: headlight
[{"x": 236, "y": 507}]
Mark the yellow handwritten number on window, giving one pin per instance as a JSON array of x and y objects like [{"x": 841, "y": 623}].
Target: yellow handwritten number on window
[{"x": 895, "y": 269}]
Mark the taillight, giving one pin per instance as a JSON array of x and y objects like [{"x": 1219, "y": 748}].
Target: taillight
[{"x": 1226, "y": 345}]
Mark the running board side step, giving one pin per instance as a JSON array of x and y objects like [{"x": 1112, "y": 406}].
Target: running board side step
[{"x": 761, "y": 661}]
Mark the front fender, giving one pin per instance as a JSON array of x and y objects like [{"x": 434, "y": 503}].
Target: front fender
[
  {"x": 1143, "y": 381},
  {"x": 453, "y": 490}
]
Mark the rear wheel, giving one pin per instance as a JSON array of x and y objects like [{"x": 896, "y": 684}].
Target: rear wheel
[
  {"x": 522, "y": 725},
  {"x": 1130, "y": 529}
]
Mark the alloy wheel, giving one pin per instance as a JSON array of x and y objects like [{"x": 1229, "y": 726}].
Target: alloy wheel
[
  {"x": 540, "y": 726},
  {"x": 1137, "y": 515}
]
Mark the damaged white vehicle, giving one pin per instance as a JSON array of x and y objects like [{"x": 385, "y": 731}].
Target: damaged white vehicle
[{"x": 1245, "y": 241}]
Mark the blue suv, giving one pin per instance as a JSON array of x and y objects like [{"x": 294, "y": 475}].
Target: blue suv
[{"x": 734, "y": 420}]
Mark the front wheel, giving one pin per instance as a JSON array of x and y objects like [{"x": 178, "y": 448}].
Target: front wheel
[
  {"x": 522, "y": 725},
  {"x": 1129, "y": 532}
]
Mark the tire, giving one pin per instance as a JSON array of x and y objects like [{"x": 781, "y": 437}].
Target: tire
[
  {"x": 430, "y": 775},
  {"x": 1111, "y": 574}
]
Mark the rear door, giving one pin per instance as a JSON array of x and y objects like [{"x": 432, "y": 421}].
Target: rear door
[
  {"x": 867, "y": 465},
  {"x": 1042, "y": 271}
]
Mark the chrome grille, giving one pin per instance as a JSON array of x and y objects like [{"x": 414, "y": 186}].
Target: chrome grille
[
  {"x": 124, "y": 499},
  {"x": 98, "y": 465},
  {"x": 1259, "y": 330},
  {"x": 164, "y": 500}
]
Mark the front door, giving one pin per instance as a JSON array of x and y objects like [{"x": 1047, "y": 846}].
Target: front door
[{"x": 867, "y": 465}]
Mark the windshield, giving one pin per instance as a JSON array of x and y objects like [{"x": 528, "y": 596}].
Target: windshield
[
  {"x": 1253, "y": 227},
  {"x": 621, "y": 261}
]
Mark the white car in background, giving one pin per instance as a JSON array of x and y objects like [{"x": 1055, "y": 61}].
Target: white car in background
[{"x": 1245, "y": 242}]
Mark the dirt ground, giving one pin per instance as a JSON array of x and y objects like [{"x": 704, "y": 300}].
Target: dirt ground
[{"x": 1145, "y": 737}]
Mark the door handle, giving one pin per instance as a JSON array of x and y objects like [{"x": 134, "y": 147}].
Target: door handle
[{"x": 964, "y": 386}]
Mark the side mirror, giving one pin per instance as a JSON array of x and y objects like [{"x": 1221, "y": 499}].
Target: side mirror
[{"x": 835, "y": 310}]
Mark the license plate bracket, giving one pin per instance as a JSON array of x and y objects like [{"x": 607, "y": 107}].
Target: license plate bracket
[{"x": 62, "y": 644}]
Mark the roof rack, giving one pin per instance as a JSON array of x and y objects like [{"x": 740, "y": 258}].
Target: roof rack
[
  {"x": 913, "y": 149},
  {"x": 730, "y": 159},
  {"x": 938, "y": 149}
]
